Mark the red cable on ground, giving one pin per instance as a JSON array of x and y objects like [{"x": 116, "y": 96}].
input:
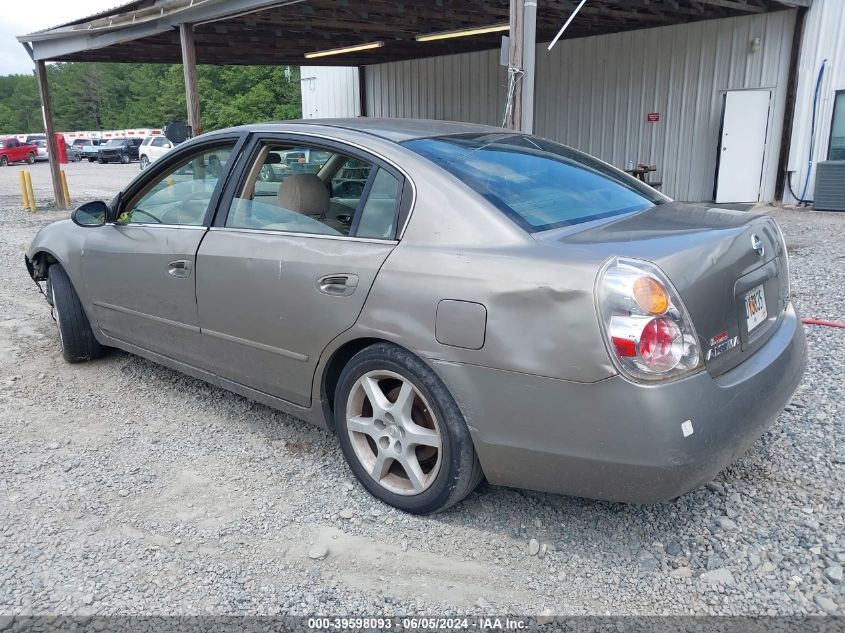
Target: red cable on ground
[{"x": 837, "y": 324}]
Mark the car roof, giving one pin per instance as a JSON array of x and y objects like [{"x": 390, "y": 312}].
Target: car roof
[{"x": 397, "y": 130}]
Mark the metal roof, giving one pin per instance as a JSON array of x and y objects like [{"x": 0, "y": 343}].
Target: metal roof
[{"x": 276, "y": 32}]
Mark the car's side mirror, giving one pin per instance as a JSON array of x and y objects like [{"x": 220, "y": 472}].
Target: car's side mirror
[
  {"x": 167, "y": 146},
  {"x": 91, "y": 214}
]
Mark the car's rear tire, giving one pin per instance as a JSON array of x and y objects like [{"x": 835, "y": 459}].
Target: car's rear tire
[
  {"x": 402, "y": 432},
  {"x": 91, "y": 160},
  {"x": 30, "y": 158},
  {"x": 101, "y": 161},
  {"x": 75, "y": 334},
  {"x": 145, "y": 162},
  {"x": 4, "y": 160}
]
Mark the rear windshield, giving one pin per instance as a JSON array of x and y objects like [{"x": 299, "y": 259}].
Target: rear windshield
[
  {"x": 539, "y": 184},
  {"x": 115, "y": 142}
]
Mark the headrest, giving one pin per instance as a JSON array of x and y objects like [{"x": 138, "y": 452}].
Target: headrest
[{"x": 304, "y": 193}]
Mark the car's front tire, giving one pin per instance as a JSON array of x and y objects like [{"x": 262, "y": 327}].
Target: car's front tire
[
  {"x": 402, "y": 433},
  {"x": 101, "y": 161},
  {"x": 124, "y": 159},
  {"x": 91, "y": 160},
  {"x": 75, "y": 334}
]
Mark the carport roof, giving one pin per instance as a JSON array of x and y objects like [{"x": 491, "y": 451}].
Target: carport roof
[{"x": 277, "y": 32}]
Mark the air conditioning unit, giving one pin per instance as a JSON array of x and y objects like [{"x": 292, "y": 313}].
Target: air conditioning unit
[{"x": 830, "y": 186}]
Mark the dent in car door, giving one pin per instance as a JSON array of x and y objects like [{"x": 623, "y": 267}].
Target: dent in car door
[
  {"x": 269, "y": 303},
  {"x": 140, "y": 295},
  {"x": 139, "y": 272}
]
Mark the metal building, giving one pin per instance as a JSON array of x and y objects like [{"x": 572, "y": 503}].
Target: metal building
[{"x": 717, "y": 105}]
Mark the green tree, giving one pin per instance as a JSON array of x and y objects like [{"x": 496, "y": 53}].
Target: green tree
[{"x": 92, "y": 96}]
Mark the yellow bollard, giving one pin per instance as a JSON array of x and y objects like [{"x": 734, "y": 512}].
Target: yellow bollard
[
  {"x": 64, "y": 187},
  {"x": 32, "y": 204},
  {"x": 24, "y": 193}
]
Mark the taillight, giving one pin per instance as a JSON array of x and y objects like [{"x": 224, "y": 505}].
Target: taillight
[
  {"x": 648, "y": 331},
  {"x": 785, "y": 286}
]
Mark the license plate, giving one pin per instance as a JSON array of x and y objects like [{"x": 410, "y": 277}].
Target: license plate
[{"x": 755, "y": 307}]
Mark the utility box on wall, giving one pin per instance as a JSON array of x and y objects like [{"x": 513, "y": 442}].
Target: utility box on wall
[{"x": 830, "y": 186}]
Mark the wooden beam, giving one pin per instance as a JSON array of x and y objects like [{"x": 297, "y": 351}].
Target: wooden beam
[
  {"x": 513, "y": 120},
  {"x": 189, "y": 68},
  {"x": 736, "y": 5},
  {"x": 52, "y": 151}
]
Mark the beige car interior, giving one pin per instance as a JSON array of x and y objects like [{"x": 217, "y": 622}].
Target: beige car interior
[{"x": 304, "y": 193}]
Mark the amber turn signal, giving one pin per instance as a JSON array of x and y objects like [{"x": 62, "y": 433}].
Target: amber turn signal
[{"x": 650, "y": 295}]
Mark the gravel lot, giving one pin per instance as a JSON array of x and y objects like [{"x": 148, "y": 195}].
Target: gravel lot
[{"x": 128, "y": 488}]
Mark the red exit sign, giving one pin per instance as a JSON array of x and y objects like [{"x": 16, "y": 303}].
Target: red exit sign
[{"x": 653, "y": 117}]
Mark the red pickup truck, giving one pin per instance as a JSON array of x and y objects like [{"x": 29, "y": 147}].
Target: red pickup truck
[{"x": 13, "y": 151}]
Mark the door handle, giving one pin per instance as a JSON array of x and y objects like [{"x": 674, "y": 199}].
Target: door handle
[
  {"x": 340, "y": 285},
  {"x": 179, "y": 268}
]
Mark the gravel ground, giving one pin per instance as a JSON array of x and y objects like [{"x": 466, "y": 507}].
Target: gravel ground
[{"x": 128, "y": 488}]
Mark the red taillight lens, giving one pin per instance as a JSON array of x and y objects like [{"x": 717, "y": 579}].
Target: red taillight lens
[
  {"x": 647, "y": 329},
  {"x": 661, "y": 344}
]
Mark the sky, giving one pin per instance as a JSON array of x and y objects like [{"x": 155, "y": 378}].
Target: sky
[{"x": 19, "y": 17}]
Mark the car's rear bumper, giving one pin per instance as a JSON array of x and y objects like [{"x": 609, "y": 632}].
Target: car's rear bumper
[{"x": 621, "y": 441}]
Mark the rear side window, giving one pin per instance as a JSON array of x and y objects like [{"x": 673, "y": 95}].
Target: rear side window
[
  {"x": 316, "y": 191},
  {"x": 539, "y": 184}
]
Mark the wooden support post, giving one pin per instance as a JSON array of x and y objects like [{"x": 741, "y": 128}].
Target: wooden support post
[
  {"x": 52, "y": 151},
  {"x": 515, "y": 47},
  {"x": 189, "y": 68},
  {"x": 529, "y": 55},
  {"x": 362, "y": 90}
]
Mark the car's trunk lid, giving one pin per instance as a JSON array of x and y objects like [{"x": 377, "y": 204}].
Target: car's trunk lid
[{"x": 718, "y": 260}]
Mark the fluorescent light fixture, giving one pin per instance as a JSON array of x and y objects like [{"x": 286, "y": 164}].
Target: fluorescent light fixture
[
  {"x": 345, "y": 49},
  {"x": 445, "y": 35}
]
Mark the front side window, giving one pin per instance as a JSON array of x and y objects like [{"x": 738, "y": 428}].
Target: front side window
[
  {"x": 182, "y": 194},
  {"x": 837, "y": 129},
  {"x": 539, "y": 184},
  {"x": 314, "y": 191}
]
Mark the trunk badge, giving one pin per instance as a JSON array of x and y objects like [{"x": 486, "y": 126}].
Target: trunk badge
[
  {"x": 757, "y": 245},
  {"x": 719, "y": 338},
  {"x": 721, "y": 348}
]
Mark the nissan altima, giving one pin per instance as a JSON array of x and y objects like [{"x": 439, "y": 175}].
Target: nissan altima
[{"x": 455, "y": 302}]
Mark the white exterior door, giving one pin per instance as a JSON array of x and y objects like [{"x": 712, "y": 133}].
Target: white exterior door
[{"x": 743, "y": 145}]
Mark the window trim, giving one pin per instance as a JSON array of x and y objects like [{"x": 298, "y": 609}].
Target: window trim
[
  {"x": 327, "y": 143},
  {"x": 172, "y": 158}
]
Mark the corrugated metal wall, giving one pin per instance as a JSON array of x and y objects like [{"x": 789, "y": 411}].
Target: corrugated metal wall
[
  {"x": 594, "y": 93},
  {"x": 468, "y": 87},
  {"x": 824, "y": 38},
  {"x": 329, "y": 92}
]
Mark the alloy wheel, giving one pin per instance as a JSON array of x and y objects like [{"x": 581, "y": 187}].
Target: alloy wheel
[{"x": 394, "y": 432}]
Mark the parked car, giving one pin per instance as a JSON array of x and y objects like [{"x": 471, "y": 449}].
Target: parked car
[
  {"x": 490, "y": 304},
  {"x": 73, "y": 154},
  {"x": 42, "y": 154},
  {"x": 87, "y": 148},
  {"x": 13, "y": 151},
  {"x": 153, "y": 148},
  {"x": 118, "y": 150},
  {"x": 31, "y": 138}
]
